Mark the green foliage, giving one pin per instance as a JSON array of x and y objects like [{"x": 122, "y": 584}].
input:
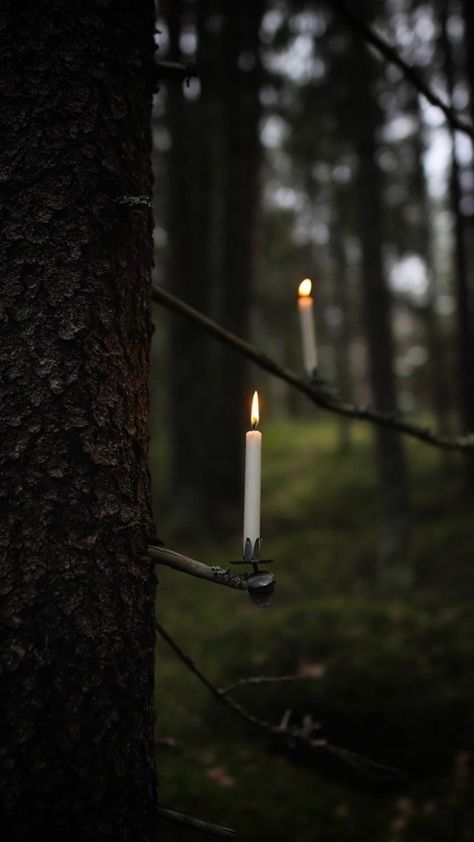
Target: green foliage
[{"x": 389, "y": 679}]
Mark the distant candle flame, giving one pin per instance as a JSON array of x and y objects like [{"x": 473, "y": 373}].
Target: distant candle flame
[
  {"x": 254, "y": 412},
  {"x": 304, "y": 289}
]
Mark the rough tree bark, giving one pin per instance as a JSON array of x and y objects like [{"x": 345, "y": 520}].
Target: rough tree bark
[{"x": 77, "y": 593}]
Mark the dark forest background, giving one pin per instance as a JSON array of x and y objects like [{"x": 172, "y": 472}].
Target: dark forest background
[{"x": 297, "y": 151}]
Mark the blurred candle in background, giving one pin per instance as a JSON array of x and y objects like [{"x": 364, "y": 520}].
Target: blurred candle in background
[{"x": 308, "y": 331}]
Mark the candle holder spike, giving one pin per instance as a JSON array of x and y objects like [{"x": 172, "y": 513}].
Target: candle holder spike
[{"x": 249, "y": 553}]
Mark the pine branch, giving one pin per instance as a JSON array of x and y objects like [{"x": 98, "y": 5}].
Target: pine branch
[
  {"x": 318, "y": 396},
  {"x": 195, "y": 824},
  {"x": 391, "y": 55},
  {"x": 289, "y": 737}
]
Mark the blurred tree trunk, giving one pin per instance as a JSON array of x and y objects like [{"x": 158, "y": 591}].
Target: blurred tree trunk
[
  {"x": 435, "y": 340},
  {"x": 463, "y": 284},
  {"x": 214, "y": 169},
  {"x": 468, "y": 15},
  {"x": 342, "y": 331},
  {"x": 77, "y": 589},
  {"x": 395, "y": 572},
  {"x": 191, "y": 124},
  {"x": 241, "y": 81}
]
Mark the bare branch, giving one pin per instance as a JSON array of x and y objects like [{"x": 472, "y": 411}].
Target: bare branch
[
  {"x": 175, "y": 70},
  {"x": 321, "y": 398},
  {"x": 169, "y": 558},
  {"x": 170, "y": 743},
  {"x": 391, "y": 55},
  {"x": 266, "y": 679},
  {"x": 195, "y": 824},
  {"x": 290, "y": 737}
]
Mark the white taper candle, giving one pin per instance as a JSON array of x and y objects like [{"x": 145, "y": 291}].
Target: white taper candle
[
  {"x": 308, "y": 330},
  {"x": 253, "y": 463}
]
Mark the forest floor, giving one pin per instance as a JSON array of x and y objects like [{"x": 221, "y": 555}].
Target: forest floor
[{"x": 387, "y": 677}]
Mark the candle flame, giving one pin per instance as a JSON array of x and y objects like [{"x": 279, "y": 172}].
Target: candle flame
[
  {"x": 254, "y": 412},
  {"x": 304, "y": 289}
]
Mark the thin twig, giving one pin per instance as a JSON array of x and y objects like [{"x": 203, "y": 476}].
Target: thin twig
[
  {"x": 218, "y": 694},
  {"x": 320, "y": 398},
  {"x": 290, "y": 737},
  {"x": 173, "y": 817},
  {"x": 266, "y": 679},
  {"x": 285, "y": 720},
  {"x": 175, "y": 70},
  {"x": 170, "y": 558},
  {"x": 392, "y": 56},
  {"x": 170, "y": 743}
]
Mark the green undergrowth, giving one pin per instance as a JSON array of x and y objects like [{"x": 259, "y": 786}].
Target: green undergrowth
[{"x": 386, "y": 677}]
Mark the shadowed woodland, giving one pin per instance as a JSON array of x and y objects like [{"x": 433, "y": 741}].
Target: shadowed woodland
[
  {"x": 299, "y": 150},
  {"x": 170, "y": 174}
]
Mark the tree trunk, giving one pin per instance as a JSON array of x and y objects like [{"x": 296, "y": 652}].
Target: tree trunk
[
  {"x": 77, "y": 590},
  {"x": 342, "y": 331},
  {"x": 240, "y": 92},
  {"x": 463, "y": 287},
  {"x": 214, "y": 168},
  {"x": 468, "y": 18},
  {"x": 394, "y": 567},
  {"x": 434, "y": 336},
  {"x": 192, "y": 125}
]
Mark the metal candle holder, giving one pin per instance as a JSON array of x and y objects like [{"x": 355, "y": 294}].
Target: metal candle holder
[{"x": 260, "y": 583}]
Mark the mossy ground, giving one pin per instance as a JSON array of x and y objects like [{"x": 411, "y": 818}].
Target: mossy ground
[{"x": 390, "y": 678}]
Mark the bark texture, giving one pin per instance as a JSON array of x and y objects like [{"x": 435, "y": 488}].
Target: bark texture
[{"x": 77, "y": 594}]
